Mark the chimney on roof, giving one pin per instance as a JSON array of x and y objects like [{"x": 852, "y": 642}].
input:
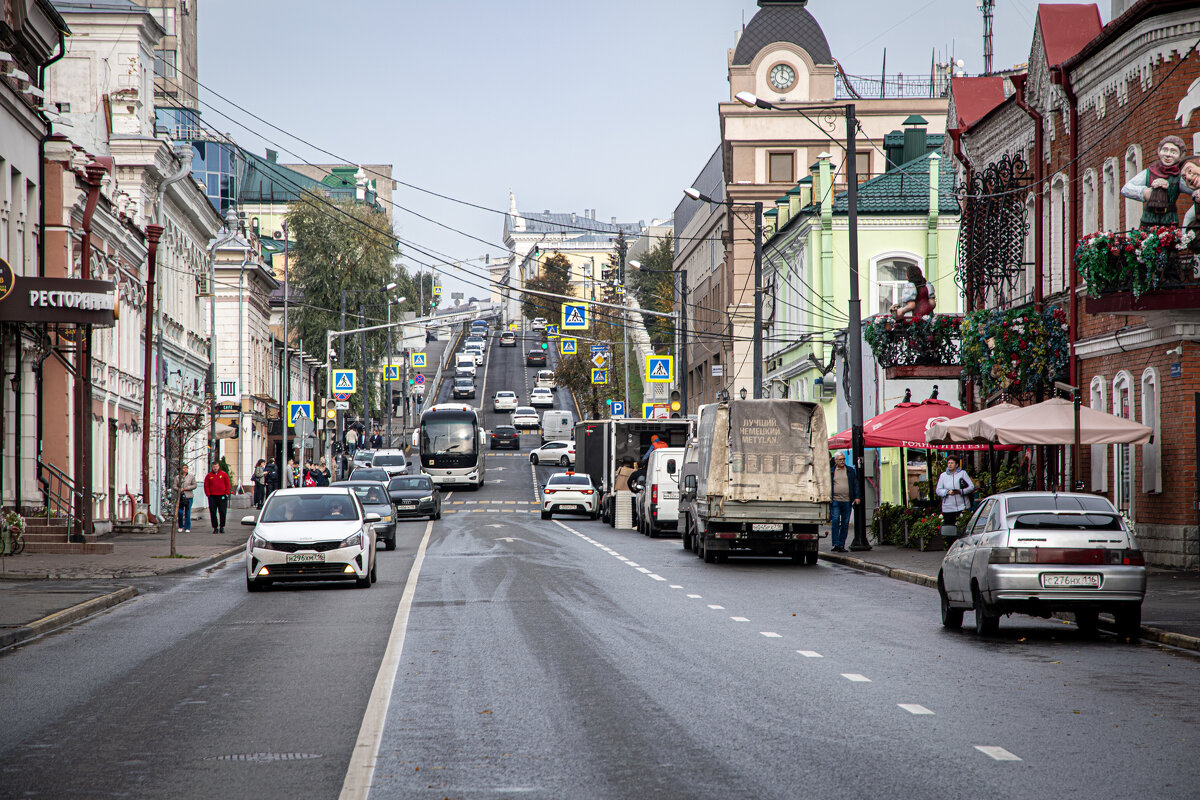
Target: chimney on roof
[
  {"x": 273, "y": 156},
  {"x": 914, "y": 138},
  {"x": 614, "y": 220}
]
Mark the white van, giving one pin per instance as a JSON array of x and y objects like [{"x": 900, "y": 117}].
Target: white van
[
  {"x": 464, "y": 365},
  {"x": 545, "y": 379},
  {"x": 657, "y": 504},
  {"x": 557, "y": 424}
]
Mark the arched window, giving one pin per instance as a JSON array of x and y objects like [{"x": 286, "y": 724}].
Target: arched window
[
  {"x": 1058, "y": 233},
  {"x": 1099, "y": 451},
  {"x": 1122, "y": 406},
  {"x": 1091, "y": 217},
  {"x": 1133, "y": 165},
  {"x": 1111, "y": 210},
  {"x": 1152, "y": 452},
  {"x": 889, "y": 275}
]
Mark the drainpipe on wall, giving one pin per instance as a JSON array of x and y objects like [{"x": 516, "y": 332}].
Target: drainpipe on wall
[
  {"x": 1039, "y": 168},
  {"x": 968, "y": 397},
  {"x": 1061, "y": 77}
]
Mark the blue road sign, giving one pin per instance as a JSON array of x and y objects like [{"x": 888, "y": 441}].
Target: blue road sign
[
  {"x": 659, "y": 369},
  {"x": 418, "y": 359},
  {"x": 345, "y": 381},
  {"x": 392, "y": 373},
  {"x": 618, "y": 408},
  {"x": 299, "y": 409},
  {"x": 599, "y": 376},
  {"x": 574, "y": 317},
  {"x": 567, "y": 345}
]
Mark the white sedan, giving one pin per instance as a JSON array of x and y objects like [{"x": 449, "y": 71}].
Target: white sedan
[
  {"x": 311, "y": 534},
  {"x": 557, "y": 452},
  {"x": 504, "y": 401},
  {"x": 526, "y": 417},
  {"x": 570, "y": 493},
  {"x": 542, "y": 397}
]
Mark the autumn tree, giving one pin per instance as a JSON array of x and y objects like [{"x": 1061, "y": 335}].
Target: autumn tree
[
  {"x": 554, "y": 277},
  {"x": 654, "y": 288}
]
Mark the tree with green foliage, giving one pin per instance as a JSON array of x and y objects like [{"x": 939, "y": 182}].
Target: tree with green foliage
[
  {"x": 575, "y": 371},
  {"x": 554, "y": 277},
  {"x": 342, "y": 245},
  {"x": 654, "y": 288}
]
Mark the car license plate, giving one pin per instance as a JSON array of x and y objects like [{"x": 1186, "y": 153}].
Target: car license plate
[
  {"x": 304, "y": 558},
  {"x": 408, "y": 505},
  {"x": 769, "y": 527},
  {"x": 670, "y": 495},
  {"x": 570, "y": 507},
  {"x": 1070, "y": 580}
]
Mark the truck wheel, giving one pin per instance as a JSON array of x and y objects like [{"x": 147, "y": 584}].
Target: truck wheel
[
  {"x": 810, "y": 558},
  {"x": 687, "y": 536},
  {"x": 707, "y": 554}
]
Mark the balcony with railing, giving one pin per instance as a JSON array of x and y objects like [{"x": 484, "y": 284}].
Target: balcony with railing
[
  {"x": 1152, "y": 269},
  {"x": 885, "y": 87},
  {"x": 927, "y": 348}
]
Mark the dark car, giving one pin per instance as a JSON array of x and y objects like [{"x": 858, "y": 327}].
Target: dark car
[
  {"x": 508, "y": 339},
  {"x": 415, "y": 496},
  {"x": 535, "y": 358},
  {"x": 375, "y": 501},
  {"x": 376, "y": 474},
  {"x": 505, "y": 436}
]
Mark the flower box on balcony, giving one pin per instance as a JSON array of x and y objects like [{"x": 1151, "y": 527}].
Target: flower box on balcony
[
  {"x": 1019, "y": 351},
  {"x": 927, "y": 348},
  {"x": 1148, "y": 269}
]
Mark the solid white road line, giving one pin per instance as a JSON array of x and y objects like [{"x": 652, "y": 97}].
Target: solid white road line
[
  {"x": 810, "y": 653},
  {"x": 914, "y": 708},
  {"x": 357, "y": 784},
  {"x": 998, "y": 753},
  {"x": 854, "y": 676}
]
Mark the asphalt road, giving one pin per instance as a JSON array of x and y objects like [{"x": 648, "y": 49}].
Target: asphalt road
[{"x": 562, "y": 658}]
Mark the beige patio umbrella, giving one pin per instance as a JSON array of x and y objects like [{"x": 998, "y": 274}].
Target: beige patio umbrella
[
  {"x": 1053, "y": 422},
  {"x": 954, "y": 431}
]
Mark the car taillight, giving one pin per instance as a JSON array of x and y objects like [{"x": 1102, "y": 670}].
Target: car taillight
[
  {"x": 654, "y": 493},
  {"x": 1130, "y": 558},
  {"x": 547, "y": 491},
  {"x": 585, "y": 491}
]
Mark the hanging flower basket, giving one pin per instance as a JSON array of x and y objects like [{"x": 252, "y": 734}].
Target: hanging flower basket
[
  {"x": 1018, "y": 351},
  {"x": 932, "y": 341}
]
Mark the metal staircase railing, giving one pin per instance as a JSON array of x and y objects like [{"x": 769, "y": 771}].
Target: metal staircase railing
[{"x": 60, "y": 493}]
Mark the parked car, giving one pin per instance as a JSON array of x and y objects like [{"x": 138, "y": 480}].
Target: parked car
[
  {"x": 570, "y": 493},
  {"x": 311, "y": 534},
  {"x": 505, "y": 436},
  {"x": 377, "y": 474},
  {"x": 525, "y": 417},
  {"x": 393, "y": 462},
  {"x": 557, "y": 424},
  {"x": 539, "y": 324},
  {"x": 1043, "y": 552},
  {"x": 560, "y": 452},
  {"x": 508, "y": 339},
  {"x": 504, "y": 401},
  {"x": 415, "y": 496},
  {"x": 375, "y": 500},
  {"x": 535, "y": 357},
  {"x": 541, "y": 397},
  {"x": 362, "y": 458},
  {"x": 464, "y": 388},
  {"x": 545, "y": 379}
]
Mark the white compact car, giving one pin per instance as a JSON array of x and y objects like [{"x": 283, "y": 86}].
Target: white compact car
[
  {"x": 570, "y": 493},
  {"x": 393, "y": 462},
  {"x": 311, "y": 534},
  {"x": 539, "y": 324},
  {"x": 525, "y": 418},
  {"x": 504, "y": 401},
  {"x": 476, "y": 352},
  {"x": 561, "y": 453},
  {"x": 545, "y": 379},
  {"x": 542, "y": 397}
]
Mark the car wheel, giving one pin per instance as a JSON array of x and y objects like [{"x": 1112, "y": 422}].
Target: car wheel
[
  {"x": 1129, "y": 621},
  {"x": 546, "y": 515},
  {"x": 951, "y": 617},
  {"x": 533, "y": 459},
  {"x": 390, "y": 544},
  {"x": 810, "y": 558},
  {"x": 987, "y": 623},
  {"x": 364, "y": 582},
  {"x": 1086, "y": 620},
  {"x": 650, "y": 531},
  {"x": 594, "y": 515},
  {"x": 254, "y": 586},
  {"x": 564, "y": 462},
  {"x": 374, "y": 574}
]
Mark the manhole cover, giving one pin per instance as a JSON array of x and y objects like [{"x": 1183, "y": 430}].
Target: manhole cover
[{"x": 263, "y": 757}]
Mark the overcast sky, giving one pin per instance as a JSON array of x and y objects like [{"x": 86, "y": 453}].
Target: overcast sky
[{"x": 572, "y": 104}]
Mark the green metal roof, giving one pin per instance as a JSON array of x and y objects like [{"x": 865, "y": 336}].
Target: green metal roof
[
  {"x": 904, "y": 190},
  {"x": 915, "y": 119}
]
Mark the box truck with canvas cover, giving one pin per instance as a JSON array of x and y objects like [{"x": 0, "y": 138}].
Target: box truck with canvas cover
[{"x": 762, "y": 480}]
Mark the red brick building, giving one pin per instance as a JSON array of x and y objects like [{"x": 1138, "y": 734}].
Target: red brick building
[{"x": 1087, "y": 117}]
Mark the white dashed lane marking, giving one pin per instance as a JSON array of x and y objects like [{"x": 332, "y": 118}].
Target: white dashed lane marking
[
  {"x": 740, "y": 619},
  {"x": 810, "y": 653},
  {"x": 675, "y": 586},
  {"x": 998, "y": 753},
  {"x": 914, "y": 708},
  {"x": 771, "y": 634},
  {"x": 717, "y": 608},
  {"x": 855, "y": 677},
  {"x": 695, "y": 596}
]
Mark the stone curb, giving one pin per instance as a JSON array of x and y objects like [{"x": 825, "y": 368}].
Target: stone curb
[
  {"x": 60, "y": 619},
  {"x": 190, "y": 565},
  {"x": 1170, "y": 638},
  {"x": 206, "y": 561}
]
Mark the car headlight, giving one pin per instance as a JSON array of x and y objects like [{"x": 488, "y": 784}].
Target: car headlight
[
  {"x": 259, "y": 543},
  {"x": 354, "y": 540},
  {"x": 428, "y": 499},
  {"x": 386, "y": 518}
]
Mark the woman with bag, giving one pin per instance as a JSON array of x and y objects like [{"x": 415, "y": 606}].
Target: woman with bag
[
  {"x": 954, "y": 486},
  {"x": 260, "y": 482}
]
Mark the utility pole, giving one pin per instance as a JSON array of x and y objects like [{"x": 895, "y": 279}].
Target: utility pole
[
  {"x": 387, "y": 365},
  {"x": 758, "y": 323},
  {"x": 287, "y": 365},
  {"x": 854, "y": 344},
  {"x": 366, "y": 380},
  {"x": 683, "y": 343},
  {"x": 624, "y": 316}
]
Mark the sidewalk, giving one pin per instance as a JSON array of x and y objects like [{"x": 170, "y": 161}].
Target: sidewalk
[{"x": 1170, "y": 612}]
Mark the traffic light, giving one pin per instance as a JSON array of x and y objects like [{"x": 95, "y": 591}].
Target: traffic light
[
  {"x": 545, "y": 346},
  {"x": 676, "y": 403},
  {"x": 330, "y": 409}
]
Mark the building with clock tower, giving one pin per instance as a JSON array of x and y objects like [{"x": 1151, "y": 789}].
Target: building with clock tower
[{"x": 782, "y": 56}]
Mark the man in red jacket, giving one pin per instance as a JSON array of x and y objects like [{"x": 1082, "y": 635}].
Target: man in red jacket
[{"x": 218, "y": 488}]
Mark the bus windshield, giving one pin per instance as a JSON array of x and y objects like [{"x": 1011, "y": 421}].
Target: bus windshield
[{"x": 455, "y": 434}]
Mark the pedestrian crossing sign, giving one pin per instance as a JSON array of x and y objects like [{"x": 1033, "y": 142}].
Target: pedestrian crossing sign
[
  {"x": 599, "y": 376},
  {"x": 392, "y": 373},
  {"x": 418, "y": 359},
  {"x": 551, "y": 331},
  {"x": 660, "y": 369},
  {"x": 574, "y": 317},
  {"x": 437, "y": 291},
  {"x": 299, "y": 409},
  {"x": 567, "y": 345},
  {"x": 345, "y": 381}
]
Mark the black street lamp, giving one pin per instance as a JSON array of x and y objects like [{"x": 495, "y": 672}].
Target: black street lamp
[{"x": 854, "y": 345}]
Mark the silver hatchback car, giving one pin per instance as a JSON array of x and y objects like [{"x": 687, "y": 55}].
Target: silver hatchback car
[{"x": 1039, "y": 553}]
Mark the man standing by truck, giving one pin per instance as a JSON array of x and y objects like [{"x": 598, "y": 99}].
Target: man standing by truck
[{"x": 844, "y": 480}]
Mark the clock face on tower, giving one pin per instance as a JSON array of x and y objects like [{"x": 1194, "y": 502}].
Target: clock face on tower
[{"x": 782, "y": 77}]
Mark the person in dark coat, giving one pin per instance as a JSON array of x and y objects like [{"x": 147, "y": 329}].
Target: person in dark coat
[{"x": 844, "y": 494}]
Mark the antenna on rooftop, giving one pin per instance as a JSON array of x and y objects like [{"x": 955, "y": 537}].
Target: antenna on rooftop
[{"x": 988, "y": 7}]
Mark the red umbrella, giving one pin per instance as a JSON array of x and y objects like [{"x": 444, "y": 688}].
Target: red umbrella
[{"x": 905, "y": 426}]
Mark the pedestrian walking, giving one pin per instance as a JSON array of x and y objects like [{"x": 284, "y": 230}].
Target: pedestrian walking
[
  {"x": 218, "y": 488},
  {"x": 954, "y": 486},
  {"x": 844, "y": 482},
  {"x": 271, "y": 476},
  {"x": 377, "y": 440},
  {"x": 185, "y": 485},
  {"x": 351, "y": 441},
  {"x": 260, "y": 483},
  {"x": 291, "y": 473},
  {"x": 324, "y": 468}
]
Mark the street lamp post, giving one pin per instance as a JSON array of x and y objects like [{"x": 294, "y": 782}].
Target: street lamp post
[
  {"x": 854, "y": 345},
  {"x": 285, "y": 395}
]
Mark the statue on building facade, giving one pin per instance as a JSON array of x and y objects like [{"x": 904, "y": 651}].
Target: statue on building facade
[{"x": 1159, "y": 186}]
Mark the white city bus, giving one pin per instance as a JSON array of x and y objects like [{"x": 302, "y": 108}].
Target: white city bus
[{"x": 451, "y": 440}]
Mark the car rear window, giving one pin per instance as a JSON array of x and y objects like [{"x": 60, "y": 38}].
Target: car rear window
[
  {"x": 526, "y": 410},
  {"x": 570, "y": 480},
  {"x": 400, "y": 484},
  {"x": 1067, "y": 522},
  {"x": 369, "y": 475},
  {"x": 506, "y": 394},
  {"x": 504, "y": 429},
  {"x": 1051, "y": 502},
  {"x": 388, "y": 461},
  {"x": 370, "y": 495}
]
